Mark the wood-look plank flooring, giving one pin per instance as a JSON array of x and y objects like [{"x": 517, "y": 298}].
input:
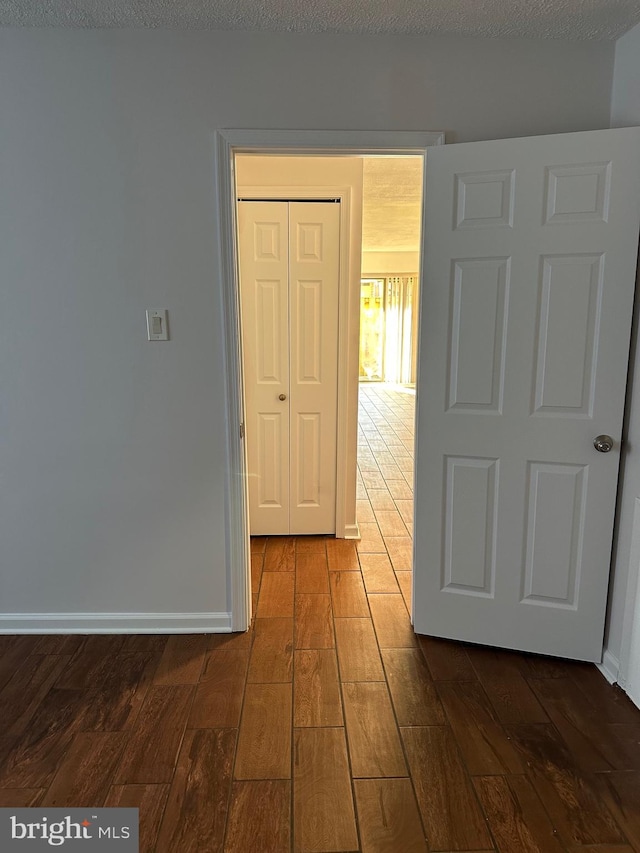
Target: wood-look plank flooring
[{"x": 328, "y": 726}]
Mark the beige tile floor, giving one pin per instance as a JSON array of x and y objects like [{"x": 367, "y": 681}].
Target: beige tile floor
[{"x": 385, "y": 487}]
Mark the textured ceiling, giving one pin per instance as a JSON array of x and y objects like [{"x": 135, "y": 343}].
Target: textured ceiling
[
  {"x": 391, "y": 204},
  {"x": 565, "y": 19}
]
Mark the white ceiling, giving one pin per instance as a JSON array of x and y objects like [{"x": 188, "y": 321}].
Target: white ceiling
[
  {"x": 564, "y": 19},
  {"x": 391, "y": 204}
]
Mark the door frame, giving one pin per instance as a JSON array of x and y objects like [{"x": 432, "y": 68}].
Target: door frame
[{"x": 226, "y": 144}]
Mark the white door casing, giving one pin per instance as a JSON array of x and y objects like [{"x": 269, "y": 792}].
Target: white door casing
[
  {"x": 289, "y": 280},
  {"x": 225, "y": 145},
  {"x": 529, "y": 267}
]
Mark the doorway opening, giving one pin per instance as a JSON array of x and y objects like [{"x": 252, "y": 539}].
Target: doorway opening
[
  {"x": 389, "y": 305},
  {"x": 327, "y": 144},
  {"x": 291, "y": 268},
  {"x": 384, "y": 238},
  {"x": 284, "y": 204},
  {"x": 299, "y": 244}
]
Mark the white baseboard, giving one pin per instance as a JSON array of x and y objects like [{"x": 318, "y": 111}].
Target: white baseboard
[
  {"x": 634, "y": 695},
  {"x": 351, "y": 531},
  {"x": 609, "y": 667},
  {"x": 115, "y": 623}
]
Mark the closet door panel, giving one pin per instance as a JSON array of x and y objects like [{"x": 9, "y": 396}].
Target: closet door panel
[
  {"x": 264, "y": 297},
  {"x": 314, "y": 267}
]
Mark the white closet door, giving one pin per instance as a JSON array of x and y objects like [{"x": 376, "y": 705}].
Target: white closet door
[
  {"x": 264, "y": 294},
  {"x": 530, "y": 248},
  {"x": 289, "y": 257}
]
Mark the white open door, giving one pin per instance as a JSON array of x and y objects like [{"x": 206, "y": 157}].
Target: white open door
[{"x": 530, "y": 260}]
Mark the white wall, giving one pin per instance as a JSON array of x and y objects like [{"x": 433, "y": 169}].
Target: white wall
[
  {"x": 390, "y": 263},
  {"x": 625, "y": 96},
  {"x": 112, "y": 448},
  {"x": 623, "y": 636}
]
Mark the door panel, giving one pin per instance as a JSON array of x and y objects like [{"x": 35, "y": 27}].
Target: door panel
[
  {"x": 556, "y": 497},
  {"x": 270, "y": 465},
  {"x": 530, "y": 257},
  {"x": 478, "y": 335},
  {"x": 569, "y": 310},
  {"x": 309, "y": 450},
  {"x": 264, "y": 294},
  {"x": 470, "y": 519},
  {"x": 314, "y": 234}
]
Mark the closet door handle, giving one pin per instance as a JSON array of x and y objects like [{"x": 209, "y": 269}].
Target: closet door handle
[{"x": 282, "y": 397}]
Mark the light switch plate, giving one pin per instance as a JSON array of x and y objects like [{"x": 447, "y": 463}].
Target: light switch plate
[{"x": 157, "y": 325}]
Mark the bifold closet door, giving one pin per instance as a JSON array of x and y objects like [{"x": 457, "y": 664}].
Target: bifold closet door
[{"x": 289, "y": 282}]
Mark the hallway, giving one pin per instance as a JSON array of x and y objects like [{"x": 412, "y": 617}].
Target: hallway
[{"x": 385, "y": 487}]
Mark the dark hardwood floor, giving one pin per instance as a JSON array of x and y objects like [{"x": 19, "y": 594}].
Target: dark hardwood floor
[{"x": 329, "y": 726}]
